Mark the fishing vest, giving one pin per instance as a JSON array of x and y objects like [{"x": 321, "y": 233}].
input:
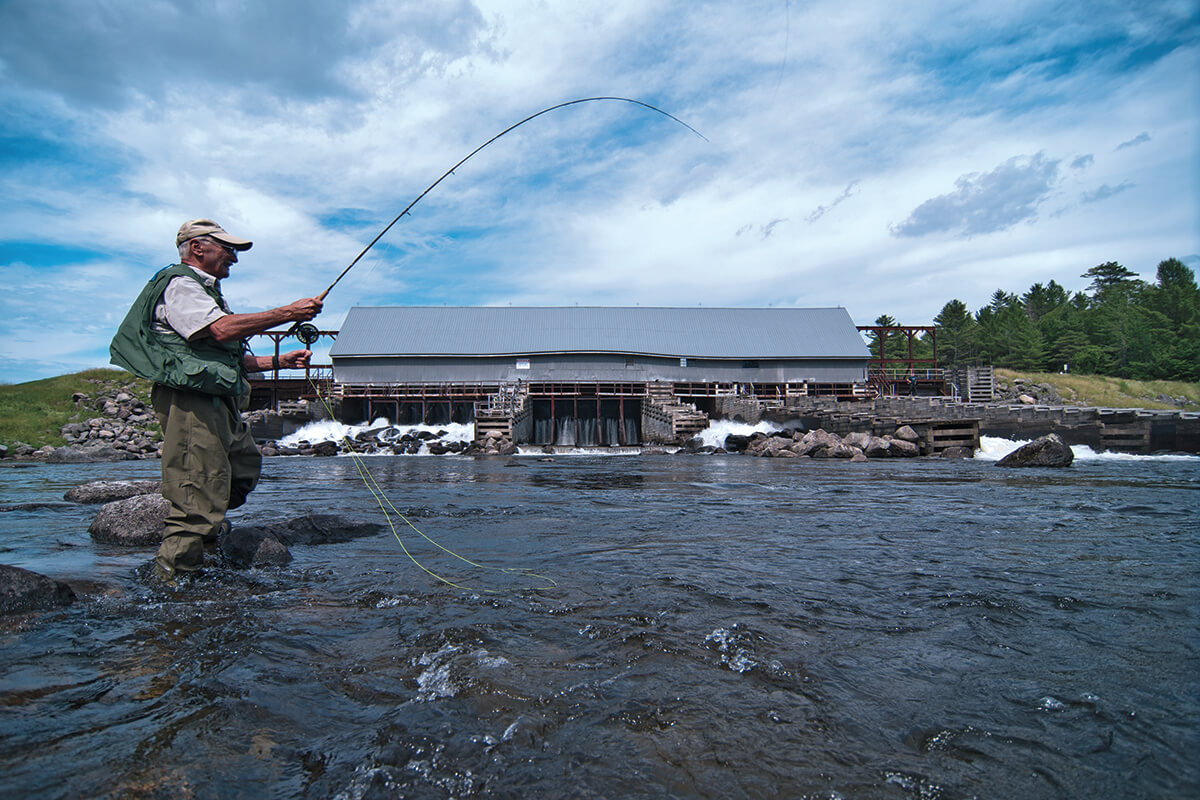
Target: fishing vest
[{"x": 204, "y": 365}]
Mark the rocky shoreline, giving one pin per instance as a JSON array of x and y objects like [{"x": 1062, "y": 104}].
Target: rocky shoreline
[{"x": 123, "y": 427}]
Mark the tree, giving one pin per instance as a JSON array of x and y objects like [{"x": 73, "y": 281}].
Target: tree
[
  {"x": 886, "y": 345},
  {"x": 1108, "y": 275},
  {"x": 956, "y": 333}
]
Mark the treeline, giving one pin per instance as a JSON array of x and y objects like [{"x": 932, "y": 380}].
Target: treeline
[{"x": 1119, "y": 326}]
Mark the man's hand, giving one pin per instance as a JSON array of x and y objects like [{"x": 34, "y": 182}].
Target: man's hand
[
  {"x": 297, "y": 359},
  {"x": 304, "y": 309}
]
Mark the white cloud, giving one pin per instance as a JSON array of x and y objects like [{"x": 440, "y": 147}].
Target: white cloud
[{"x": 831, "y": 126}]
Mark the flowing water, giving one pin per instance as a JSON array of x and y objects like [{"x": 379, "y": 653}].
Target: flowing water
[{"x": 718, "y": 627}]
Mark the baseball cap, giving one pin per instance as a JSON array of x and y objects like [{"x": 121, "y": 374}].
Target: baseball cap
[{"x": 206, "y": 227}]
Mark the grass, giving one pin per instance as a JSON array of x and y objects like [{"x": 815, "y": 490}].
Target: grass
[
  {"x": 34, "y": 412},
  {"x": 1105, "y": 392}
]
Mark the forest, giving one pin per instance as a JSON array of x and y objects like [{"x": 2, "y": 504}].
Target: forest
[{"x": 1119, "y": 326}]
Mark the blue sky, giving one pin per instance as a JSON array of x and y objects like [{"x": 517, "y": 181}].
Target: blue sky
[{"x": 885, "y": 157}]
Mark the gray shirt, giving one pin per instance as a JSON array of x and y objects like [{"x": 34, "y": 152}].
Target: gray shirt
[{"x": 186, "y": 308}]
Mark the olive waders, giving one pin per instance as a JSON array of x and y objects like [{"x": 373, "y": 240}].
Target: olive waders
[{"x": 210, "y": 463}]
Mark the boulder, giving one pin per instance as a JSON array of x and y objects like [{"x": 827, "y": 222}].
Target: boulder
[
  {"x": 322, "y": 529},
  {"x": 879, "y": 448},
  {"x": 905, "y": 433},
  {"x": 253, "y": 546},
  {"x": 958, "y": 452},
  {"x": 1048, "y": 451},
  {"x": 736, "y": 443},
  {"x": 22, "y": 591},
  {"x": 858, "y": 456},
  {"x": 819, "y": 444},
  {"x": 68, "y": 455},
  {"x": 108, "y": 491},
  {"x": 858, "y": 439},
  {"x": 133, "y": 522},
  {"x": 900, "y": 448},
  {"x": 325, "y": 449}
]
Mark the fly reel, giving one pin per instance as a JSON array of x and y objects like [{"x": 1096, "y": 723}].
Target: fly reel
[{"x": 306, "y": 332}]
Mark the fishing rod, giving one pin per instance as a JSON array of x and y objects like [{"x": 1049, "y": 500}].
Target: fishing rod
[{"x": 308, "y": 333}]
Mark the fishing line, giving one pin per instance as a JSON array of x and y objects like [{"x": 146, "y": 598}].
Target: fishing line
[
  {"x": 385, "y": 503},
  {"x": 308, "y": 334}
]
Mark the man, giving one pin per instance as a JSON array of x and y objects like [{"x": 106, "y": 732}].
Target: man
[{"x": 181, "y": 335}]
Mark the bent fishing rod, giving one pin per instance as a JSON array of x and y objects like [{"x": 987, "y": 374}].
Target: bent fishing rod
[{"x": 308, "y": 333}]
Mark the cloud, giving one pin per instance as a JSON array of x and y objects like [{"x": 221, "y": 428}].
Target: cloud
[
  {"x": 986, "y": 202},
  {"x": 111, "y": 55},
  {"x": 1141, "y": 138},
  {"x": 821, "y": 211},
  {"x": 307, "y": 125},
  {"x": 1104, "y": 191}
]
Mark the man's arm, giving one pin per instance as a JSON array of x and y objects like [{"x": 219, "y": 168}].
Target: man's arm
[
  {"x": 297, "y": 359},
  {"x": 232, "y": 327}
]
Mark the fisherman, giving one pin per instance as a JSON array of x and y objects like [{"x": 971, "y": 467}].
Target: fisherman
[{"x": 181, "y": 335}]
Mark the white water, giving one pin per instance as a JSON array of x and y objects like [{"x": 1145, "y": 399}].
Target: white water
[
  {"x": 992, "y": 448},
  {"x": 328, "y": 430},
  {"x": 714, "y": 435}
]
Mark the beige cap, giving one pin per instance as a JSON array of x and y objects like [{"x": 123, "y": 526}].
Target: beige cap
[{"x": 206, "y": 227}]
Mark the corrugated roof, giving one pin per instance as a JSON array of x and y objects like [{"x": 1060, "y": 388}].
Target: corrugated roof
[{"x": 674, "y": 332}]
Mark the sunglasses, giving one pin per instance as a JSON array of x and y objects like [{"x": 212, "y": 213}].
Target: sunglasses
[{"x": 227, "y": 248}]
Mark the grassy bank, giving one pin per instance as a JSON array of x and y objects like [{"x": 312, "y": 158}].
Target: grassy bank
[
  {"x": 34, "y": 412},
  {"x": 1105, "y": 392}
]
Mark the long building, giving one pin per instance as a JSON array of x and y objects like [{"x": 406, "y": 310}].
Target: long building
[{"x": 570, "y": 367}]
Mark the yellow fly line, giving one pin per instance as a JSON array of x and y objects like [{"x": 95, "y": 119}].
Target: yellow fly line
[{"x": 385, "y": 504}]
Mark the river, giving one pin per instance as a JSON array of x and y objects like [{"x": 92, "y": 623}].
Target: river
[{"x": 706, "y": 627}]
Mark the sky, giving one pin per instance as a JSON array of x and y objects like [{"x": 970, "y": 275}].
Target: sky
[{"x": 878, "y": 156}]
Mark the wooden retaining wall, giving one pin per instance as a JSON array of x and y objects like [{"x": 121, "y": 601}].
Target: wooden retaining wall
[{"x": 1113, "y": 429}]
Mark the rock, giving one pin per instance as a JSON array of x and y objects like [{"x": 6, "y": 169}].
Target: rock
[
  {"x": 900, "y": 448},
  {"x": 736, "y": 443},
  {"x": 905, "y": 433},
  {"x": 958, "y": 452},
  {"x": 68, "y": 455},
  {"x": 1048, "y": 451},
  {"x": 323, "y": 529},
  {"x": 325, "y": 449},
  {"x": 818, "y": 444},
  {"x": 858, "y": 457},
  {"x": 839, "y": 450},
  {"x": 3, "y": 451},
  {"x": 107, "y": 491},
  {"x": 133, "y": 522},
  {"x": 879, "y": 448},
  {"x": 253, "y": 546},
  {"x": 1025, "y": 399},
  {"x": 22, "y": 591},
  {"x": 858, "y": 439}
]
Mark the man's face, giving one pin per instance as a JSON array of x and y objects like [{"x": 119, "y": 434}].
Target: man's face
[{"x": 213, "y": 257}]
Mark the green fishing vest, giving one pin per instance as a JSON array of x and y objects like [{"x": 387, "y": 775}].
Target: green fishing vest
[{"x": 204, "y": 365}]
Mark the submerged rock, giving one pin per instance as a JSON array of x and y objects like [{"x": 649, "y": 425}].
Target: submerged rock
[
  {"x": 22, "y": 591},
  {"x": 253, "y": 546},
  {"x": 133, "y": 522},
  {"x": 1048, "y": 451},
  {"x": 108, "y": 491}
]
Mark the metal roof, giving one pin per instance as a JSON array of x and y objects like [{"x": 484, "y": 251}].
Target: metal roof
[{"x": 744, "y": 333}]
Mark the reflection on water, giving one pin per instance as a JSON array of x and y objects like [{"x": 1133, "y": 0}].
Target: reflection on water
[{"x": 721, "y": 627}]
